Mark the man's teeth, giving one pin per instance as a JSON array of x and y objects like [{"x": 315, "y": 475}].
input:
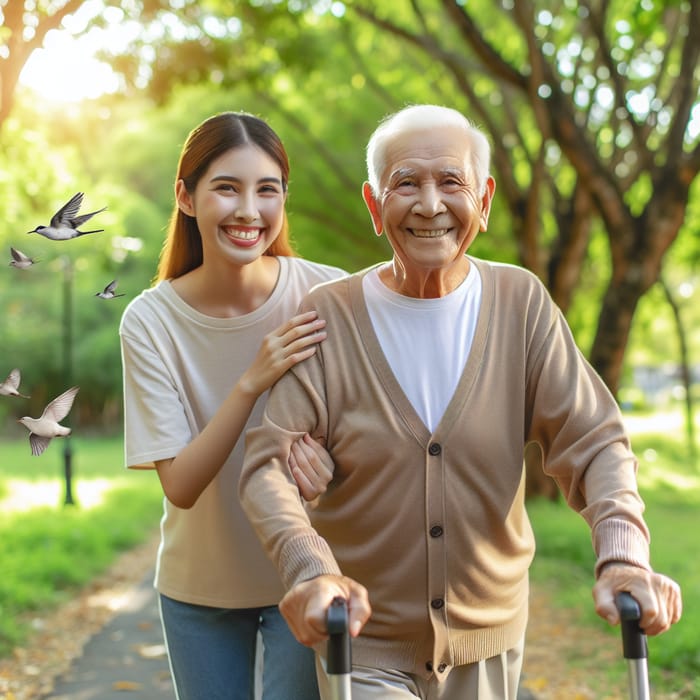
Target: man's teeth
[{"x": 429, "y": 232}]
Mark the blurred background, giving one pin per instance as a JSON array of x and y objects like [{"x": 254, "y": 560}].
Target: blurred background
[{"x": 592, "y": 108}]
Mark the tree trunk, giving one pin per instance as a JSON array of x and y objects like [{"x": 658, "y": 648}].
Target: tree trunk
[{"x": 684, "y": 361}]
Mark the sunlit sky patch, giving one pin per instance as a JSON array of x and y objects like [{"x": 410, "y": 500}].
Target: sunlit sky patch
[{"x": 65, "y": 69}]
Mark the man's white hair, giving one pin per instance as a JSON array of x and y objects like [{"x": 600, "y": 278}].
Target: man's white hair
[{"x": 424, "y": 117}]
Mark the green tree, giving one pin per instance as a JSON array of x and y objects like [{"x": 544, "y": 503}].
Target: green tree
[
  {"x": 592, "y": 108},
  {"x": 611, "y": 88}
]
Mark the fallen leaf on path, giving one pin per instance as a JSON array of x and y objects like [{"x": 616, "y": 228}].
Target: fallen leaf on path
[
  {"x": 152, "y": 651},
  {"x": 538, "y": 683},
  {"x": 127, "y": 685}
]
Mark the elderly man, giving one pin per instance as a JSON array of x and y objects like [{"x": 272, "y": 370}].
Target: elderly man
[{"x": 438, "y": 369}]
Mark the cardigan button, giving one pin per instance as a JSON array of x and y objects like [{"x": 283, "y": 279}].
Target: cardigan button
[
  {"x": 428, "y": 667},
  {"x": 441, "y": 668},
  {"x": 435, "y": 449},
  {"x": 436, "y": 531},
  {"x": 437, "y": 603}
]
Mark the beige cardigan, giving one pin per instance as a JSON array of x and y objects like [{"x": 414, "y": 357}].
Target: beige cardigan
[{"x": 434, "y": 525}]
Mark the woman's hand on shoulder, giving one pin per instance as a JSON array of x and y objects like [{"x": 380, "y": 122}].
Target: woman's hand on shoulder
[
  {"x": 293, "y": 341},
  {"x": 311, "y": 466}
]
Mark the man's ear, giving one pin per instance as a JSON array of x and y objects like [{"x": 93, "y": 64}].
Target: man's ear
[
  {"x": 374, "y": 209},
  {"x": 486, "y": 200},
  {"x": 183, "y": 198}
]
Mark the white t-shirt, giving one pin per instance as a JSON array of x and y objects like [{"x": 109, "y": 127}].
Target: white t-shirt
[
  {"x": 179, "y": 365},
  {"x": 425, "y": 341}
]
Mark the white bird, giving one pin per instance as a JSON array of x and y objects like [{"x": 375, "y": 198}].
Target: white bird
[
  {"x": 64, "y": 223},
  {"x": 10, "y": 387},
  {"x": 20, "y": 260},
  {"x": 108, "y": 291},
  {"x": 42, "y": 430}
]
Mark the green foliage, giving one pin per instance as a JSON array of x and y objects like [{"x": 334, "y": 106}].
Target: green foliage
[
  {"x": 312, "y": 70},
  {"x": 47, "y": 551}
]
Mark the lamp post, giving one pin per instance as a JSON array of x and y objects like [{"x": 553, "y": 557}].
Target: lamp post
[{"x": 68, "y": 369}]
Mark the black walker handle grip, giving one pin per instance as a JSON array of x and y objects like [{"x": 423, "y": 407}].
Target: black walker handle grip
[
  {"x": 634, "y": 641},
  {"x": 339, "y": 660}
]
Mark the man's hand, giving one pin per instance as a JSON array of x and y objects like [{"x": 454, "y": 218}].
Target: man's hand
[
  {"x": 659, "y": 597},
  {"x": 305, "y": 607}
]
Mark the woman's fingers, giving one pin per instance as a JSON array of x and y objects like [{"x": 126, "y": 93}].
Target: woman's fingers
[
  {"x": 311, "y": 466},
  {"x": 296, "y": 339},
  {"x": 292, "y": 342}
]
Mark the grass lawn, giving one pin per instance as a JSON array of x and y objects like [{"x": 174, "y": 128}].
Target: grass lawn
[
  {"x": 48, "y": 549},
  {"x": 670, "y": 486}
]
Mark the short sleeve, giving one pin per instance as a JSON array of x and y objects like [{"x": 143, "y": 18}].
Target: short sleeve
[{"x": 155, "y": 423}]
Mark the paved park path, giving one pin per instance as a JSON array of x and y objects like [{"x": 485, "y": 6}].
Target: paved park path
[
  {"x": 125, "y": 659},
  {"x": 107, "y": 644}
]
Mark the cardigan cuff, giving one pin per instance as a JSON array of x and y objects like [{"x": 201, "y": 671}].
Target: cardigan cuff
[
  {"x": 616, "y": 540},
  {"x": 304, "y": 557}
]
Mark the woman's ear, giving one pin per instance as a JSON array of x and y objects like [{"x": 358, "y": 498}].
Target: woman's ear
[
  {"x": 374, "y": 208},
  {"x": 183, "y": 198}
]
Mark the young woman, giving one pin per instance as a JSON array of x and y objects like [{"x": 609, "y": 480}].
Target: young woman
[{"x": 199, "y": 351}]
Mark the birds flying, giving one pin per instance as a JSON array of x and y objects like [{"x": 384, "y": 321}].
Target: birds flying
[
  {"x": 10, "y": 387},
  {"x": 42, "y": 430},
  {"x": 20, "y": 260},
  {"x": 64, "y": 223},
  {"x": 108, "y": 291}
]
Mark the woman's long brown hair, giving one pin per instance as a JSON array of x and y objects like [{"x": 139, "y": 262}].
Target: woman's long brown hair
[{"x": 182, "y": 250}]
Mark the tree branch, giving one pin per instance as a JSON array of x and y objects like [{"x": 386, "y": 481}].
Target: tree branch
[
  {"x": 425, "y": 42},
  {"x": 473, "y": 36},
  {"x": 684, "y": 91}
]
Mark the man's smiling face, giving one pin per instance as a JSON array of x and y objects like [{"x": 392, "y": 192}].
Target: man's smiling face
[{"x": 429, "y": 206}]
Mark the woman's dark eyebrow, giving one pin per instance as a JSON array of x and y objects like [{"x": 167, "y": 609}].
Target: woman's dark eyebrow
[{"x": 233, "y": 178}]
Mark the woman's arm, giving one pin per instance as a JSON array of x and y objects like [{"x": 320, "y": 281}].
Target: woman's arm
[{"x": 185, "y": 476}]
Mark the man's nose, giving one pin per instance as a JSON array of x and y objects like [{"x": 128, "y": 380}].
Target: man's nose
[{"x": 429, "y": 201}]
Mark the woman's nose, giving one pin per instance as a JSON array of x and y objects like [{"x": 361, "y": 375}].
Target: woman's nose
[{"x": 246, "y": 207}]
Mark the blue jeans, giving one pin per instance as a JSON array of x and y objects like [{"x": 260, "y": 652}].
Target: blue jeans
[{"x": 212, "y": 653}]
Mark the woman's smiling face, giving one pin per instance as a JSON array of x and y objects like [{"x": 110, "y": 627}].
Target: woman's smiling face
[{"x": 238, "y": 203}]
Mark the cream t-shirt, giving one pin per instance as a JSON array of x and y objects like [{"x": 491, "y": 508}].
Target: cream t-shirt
[{"x": 179, "y": 365}]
